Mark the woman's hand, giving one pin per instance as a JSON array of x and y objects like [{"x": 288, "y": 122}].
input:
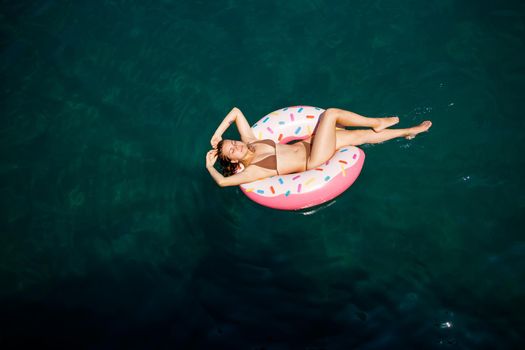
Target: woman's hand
[
  {"x": 215, "y": 140},
  {"x": 211, "y": 158}
]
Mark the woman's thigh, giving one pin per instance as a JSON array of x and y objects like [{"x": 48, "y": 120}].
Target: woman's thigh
[
  {"x": 323, "y": 143},
  {"x": 342, "y": 138}
]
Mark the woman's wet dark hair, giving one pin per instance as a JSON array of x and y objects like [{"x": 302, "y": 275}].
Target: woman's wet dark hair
[{"x": 227, "y": 168}]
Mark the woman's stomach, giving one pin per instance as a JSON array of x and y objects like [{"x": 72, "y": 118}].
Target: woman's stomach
[{"x": 290, "y": 158}]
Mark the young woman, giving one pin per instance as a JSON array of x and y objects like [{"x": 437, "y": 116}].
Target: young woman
[{"x": 264, "y": 158}]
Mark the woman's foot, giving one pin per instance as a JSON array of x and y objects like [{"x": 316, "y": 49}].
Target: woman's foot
[
  {"x": 423, "y": 127},
  {"x": 385, "y": 123}
]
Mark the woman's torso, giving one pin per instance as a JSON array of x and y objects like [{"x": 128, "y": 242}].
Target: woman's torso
[{"x": 289, "y": 158}]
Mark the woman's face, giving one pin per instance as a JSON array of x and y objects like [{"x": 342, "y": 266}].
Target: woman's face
[{"x": 234, "y": 150}]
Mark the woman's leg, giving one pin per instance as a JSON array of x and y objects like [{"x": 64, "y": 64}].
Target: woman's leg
[
  {"x": 327, "y": 139},
  {"x": 324, "y": 139}
]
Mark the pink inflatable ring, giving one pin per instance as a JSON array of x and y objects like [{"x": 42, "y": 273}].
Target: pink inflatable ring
[{"x": 311, "y": 187}]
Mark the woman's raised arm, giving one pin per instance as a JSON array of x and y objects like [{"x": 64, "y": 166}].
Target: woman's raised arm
[
  {"x": 243, "y": 127},
  {"x": 228, "y": 120}
]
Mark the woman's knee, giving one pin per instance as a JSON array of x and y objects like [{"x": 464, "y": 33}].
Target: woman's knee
[{"x": 332, "y": 112}]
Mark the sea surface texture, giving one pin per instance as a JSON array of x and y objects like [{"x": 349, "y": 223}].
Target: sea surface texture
[{"x": 114, "y": 236}]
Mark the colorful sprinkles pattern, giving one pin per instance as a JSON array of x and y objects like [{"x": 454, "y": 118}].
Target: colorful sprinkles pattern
[{"x": 298, "y": 122}]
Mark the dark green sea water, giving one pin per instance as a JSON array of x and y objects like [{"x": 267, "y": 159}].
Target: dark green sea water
[{"x": 113, "y": 235}]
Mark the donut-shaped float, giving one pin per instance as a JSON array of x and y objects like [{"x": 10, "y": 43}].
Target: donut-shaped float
[{"x": 311, "y": 187}]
